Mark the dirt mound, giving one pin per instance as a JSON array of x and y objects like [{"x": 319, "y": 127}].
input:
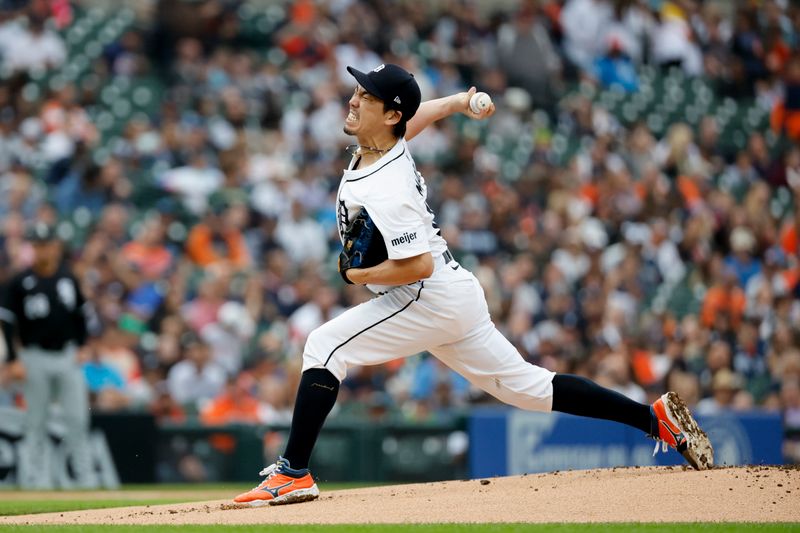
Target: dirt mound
[{"x": 667, "y": 494}]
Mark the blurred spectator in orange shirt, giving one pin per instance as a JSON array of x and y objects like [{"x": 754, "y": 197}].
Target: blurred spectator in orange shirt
[
  {"x": 235, "y": 404},
  {"x": 725, "y": 297},
  {"x": 147, "y": 252},
  {"x": 218, "y": 238},
  {"x": 788, "y": 236},
  {"x": 785, "y": 116}
]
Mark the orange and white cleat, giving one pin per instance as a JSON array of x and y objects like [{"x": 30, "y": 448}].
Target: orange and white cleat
[
  {"x": 282, "y": 485},
  {"x": 679, "y": 430}
]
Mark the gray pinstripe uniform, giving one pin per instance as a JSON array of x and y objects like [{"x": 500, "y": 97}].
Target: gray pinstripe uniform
[{"x": 47, "y": 317}]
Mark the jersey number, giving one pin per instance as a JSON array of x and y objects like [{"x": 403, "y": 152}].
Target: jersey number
[{"x": 37, "y": 306}]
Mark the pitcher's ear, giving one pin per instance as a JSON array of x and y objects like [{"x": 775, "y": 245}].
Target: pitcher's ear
[{"x": 392, "y": 117}]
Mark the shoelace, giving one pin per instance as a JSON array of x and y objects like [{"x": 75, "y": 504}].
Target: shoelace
[
  {"x": 267, "y": 472},
  {"x": 664, "y": 446}
]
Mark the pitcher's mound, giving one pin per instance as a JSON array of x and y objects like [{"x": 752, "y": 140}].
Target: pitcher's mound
[{"x": 664, "y": 494}]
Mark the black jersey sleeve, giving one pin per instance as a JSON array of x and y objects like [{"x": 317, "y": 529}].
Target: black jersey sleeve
[
  {"x": 11, "y": 300},
  {"x": 10, "y": 306},
  {"x": 82, "y": 314}
]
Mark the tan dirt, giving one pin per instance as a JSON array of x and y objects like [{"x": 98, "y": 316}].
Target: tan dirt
[{"x": 663, "y": 494}]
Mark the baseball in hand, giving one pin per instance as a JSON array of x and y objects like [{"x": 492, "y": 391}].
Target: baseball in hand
[{"x": 479, "y": 102}]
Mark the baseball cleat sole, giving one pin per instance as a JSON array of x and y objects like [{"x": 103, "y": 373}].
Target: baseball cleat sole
[
  {"x": 256, "y": 503},
  {"x": 297, "y": 496},
  {"x": 697, "y": 449}
]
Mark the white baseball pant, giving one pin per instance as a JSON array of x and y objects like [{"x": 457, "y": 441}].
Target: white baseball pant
[{"x": 445, "y": 315}]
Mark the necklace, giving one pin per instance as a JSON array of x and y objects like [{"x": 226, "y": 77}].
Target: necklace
[{"x": 357, "y": 149}]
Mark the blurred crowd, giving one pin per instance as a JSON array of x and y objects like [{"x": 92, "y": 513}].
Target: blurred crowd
[{"x": 644, "y": 262}]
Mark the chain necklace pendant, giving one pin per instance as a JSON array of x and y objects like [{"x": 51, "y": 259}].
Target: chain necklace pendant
[{"x": 357, "y": 149}]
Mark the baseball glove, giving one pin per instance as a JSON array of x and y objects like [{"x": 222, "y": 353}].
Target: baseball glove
[{"x": 363, "y": 245}]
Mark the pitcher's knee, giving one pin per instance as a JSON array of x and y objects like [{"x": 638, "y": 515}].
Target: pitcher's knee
[
  {"x": 533, "y": 393},
  {"x": 314, "y": 350},
  {"x": 319, "y": 352},
  {"x": 531, "y": 402}
]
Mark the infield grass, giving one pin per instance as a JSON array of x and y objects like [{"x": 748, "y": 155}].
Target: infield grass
[
  {"x": 13, "y": 502},
  {"x": 422, "y": 528},
  {"x": 8, "y": 508}
]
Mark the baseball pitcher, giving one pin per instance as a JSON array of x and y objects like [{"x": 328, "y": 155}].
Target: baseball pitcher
[{"x": 425, "y": 300}]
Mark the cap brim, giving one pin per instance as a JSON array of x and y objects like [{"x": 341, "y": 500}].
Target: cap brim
[
  {"x": 34, "y": 236},
  {"x": 365, "y": 82}
]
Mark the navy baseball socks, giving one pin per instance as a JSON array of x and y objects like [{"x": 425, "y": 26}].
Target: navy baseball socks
[
  {"x": 577, "y": 395},
  {"x": 316, "y": 396},
  {"x": 289, "y": 480},
  {"x": 668, "y": 420}
]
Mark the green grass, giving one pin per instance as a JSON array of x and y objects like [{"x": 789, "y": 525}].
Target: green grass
[
  {"x": 51, "y": 503},
  {"x": 423, "y": 528},
  {"x": 232, "y": 487},
  {"x": 132, "y": 487},
  {"x": 8, "y": 508}
]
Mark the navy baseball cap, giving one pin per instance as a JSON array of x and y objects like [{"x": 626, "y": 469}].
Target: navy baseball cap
[{"x": 392, "y": 84}]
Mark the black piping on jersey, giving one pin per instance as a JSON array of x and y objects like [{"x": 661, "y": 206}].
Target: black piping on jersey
[
  {"x": 421, "y": 286},
  {"x": 377, "y": 169}
]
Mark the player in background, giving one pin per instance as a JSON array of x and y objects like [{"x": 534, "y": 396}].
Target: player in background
[
  {"x": 44, "y": 311},
  {"x": 427, "y": 301}
]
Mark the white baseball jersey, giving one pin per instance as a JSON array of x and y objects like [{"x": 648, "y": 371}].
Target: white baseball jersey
[
  {"x": 395, "y": 195},
  {"x": 445, "y": 314}
]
